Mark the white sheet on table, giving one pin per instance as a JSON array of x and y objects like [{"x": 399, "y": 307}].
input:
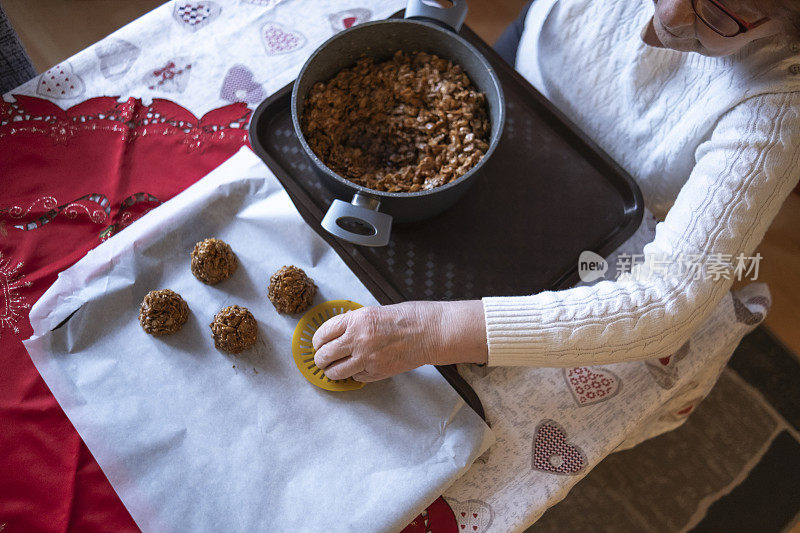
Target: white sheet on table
[{"x": 193, "y": 439}]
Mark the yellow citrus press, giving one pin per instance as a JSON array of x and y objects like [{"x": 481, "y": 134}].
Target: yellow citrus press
[{"x": 303, "y": 351}]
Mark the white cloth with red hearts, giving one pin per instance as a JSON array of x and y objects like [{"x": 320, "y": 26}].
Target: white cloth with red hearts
[
  {"x": 553, "y": 425},
  {"x": 203, "y": 54}
]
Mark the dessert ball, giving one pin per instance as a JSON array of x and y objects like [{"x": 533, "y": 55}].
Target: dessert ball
[
  {"x": 163, "y": 312},
  {"x": 234, "y": 329},
  {"x": 290, "y": 290},
  {"x": 213, "y": 261}
]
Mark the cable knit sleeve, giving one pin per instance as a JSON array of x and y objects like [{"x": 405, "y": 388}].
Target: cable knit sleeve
[{"x": 743, "y": 173}]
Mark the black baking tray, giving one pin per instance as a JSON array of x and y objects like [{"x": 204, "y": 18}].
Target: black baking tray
[{"x": 547, "y": 193}]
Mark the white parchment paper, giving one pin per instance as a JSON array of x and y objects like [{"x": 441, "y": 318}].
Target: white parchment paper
[{"x": 193, "y": 439}]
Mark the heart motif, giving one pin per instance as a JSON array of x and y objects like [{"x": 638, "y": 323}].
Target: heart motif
[
  {"x": 280, "y": 40},
  {"x": 591, "y": 385},
  {"x": 60, "y": 82},
  {"x": 171, "y": 78},
  {"x": 194, "y": 15},
  {"x": 553, "y": 454},
  {"x": 745, "y": 313},
  {"x": 665, "y": 369},
  {"x": 238, "y": 86},
  {"x": 349, "y": 18},
  {"x": 472, "y": 515},
  {"x": 682, "y": 412},
  {"x": 116, "y": 57}
]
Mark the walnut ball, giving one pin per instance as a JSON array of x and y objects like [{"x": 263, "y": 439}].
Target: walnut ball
[
  {"x": 213, "y": 261},
  {"x": 234, "y": 329},
  {"x": 163, "y": 312},
  {"x": 290, "y": 290}
]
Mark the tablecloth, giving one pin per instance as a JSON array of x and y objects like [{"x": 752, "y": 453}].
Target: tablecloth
[
  {"x": 92, "y": 143},
  {"x": 87, "y": 147}
]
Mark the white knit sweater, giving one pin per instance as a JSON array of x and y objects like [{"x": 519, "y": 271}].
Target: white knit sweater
[{"x": 714, "y": 144}]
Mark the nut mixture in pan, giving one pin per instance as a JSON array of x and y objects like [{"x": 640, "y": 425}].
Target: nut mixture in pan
[
  {"x": 291, "y": 290},
  {"x": 234, "y": 329},
  {"x": 163, "y": 312},
  {"x": 411, "y": 123},
  {"x": 213, "y": 261}
]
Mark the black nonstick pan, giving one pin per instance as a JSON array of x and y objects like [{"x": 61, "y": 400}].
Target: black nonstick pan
[{"x": 366, "y": 215}]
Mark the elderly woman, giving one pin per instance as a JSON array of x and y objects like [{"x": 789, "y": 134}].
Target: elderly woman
[{"x": 699, "y": 100}]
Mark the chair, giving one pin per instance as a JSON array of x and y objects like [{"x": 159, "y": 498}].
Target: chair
[{"x": 15, "y": 65}]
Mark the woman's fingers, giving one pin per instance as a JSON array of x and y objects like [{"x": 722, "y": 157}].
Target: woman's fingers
[
  {"x": 330, "y": 352},
  {"x": 329, "y": 330},
  {"x": 344, "y": 368}
]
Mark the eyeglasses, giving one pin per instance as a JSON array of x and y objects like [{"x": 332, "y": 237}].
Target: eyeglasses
[{"x": 720, "y": 19}]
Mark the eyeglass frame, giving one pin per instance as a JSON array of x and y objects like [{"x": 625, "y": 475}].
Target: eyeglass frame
[{"x": 743, "y": 24}]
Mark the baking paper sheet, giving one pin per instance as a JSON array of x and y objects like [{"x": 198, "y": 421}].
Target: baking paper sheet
[{"x": 193, "y": 439}]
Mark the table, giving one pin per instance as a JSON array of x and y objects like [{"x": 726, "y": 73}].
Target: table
[{"x": 78, "y": 165}]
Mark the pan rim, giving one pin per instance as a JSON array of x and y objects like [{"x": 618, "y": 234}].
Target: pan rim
[{"x": 495, "y": 81}]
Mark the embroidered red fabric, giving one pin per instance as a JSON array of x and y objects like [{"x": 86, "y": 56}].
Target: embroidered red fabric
[
  {"x": 69, "y": 179},
  {"x": 437, "y": 518}
]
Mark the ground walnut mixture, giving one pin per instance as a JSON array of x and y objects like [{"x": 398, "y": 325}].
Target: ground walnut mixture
[
  {"x": 234, "y": 329},
  {"x": 410, "y": 123},
  {"x": 163, "y": 312},
  {"x": 213, "y": 261},
  {"x": 291, "y": 290}
]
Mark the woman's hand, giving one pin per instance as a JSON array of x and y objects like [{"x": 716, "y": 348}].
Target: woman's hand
[{"x": 374, "y": 343}]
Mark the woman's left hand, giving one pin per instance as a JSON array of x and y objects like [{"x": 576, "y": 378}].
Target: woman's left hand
[{"x": 374, "y": 343}]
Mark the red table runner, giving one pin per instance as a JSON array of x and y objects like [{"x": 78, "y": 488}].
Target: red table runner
[{"x": 71, "y": 179}]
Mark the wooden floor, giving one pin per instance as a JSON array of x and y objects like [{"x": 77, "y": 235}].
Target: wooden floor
[{"x": 53, "y": 30}]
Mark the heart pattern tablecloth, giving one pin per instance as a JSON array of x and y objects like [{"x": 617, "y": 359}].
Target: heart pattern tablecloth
[
  {"x": 552, "y": 425},
  {"x": 91, "y": 144}
]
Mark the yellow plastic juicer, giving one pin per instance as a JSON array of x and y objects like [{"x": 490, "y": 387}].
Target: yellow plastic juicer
[{"x": 303, "y": 351}]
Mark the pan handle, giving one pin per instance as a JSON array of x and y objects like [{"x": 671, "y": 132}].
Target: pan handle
[
  {"x": 452, "y": 17},
  {"x": 358, "y": 222}
]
